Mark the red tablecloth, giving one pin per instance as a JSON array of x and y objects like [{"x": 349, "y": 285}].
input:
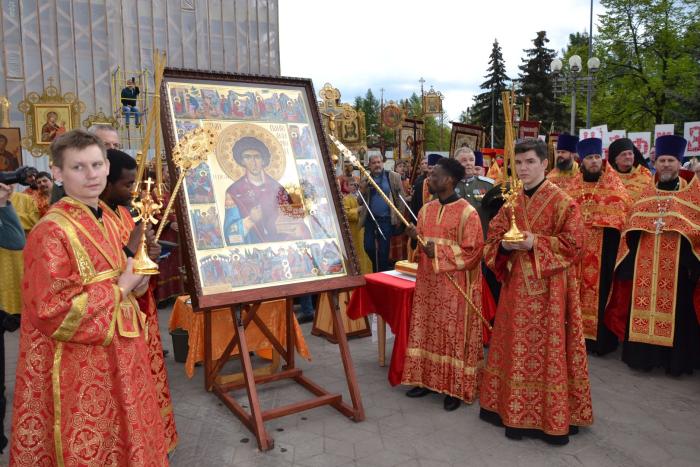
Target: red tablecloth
[{"x": 392, "y": 299}]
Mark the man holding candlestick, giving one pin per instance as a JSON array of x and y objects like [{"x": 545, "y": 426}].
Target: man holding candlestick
[{"x": 536, "y": 378}]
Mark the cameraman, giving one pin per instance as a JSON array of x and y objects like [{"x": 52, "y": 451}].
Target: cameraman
[{"x": 11, "y": 243}]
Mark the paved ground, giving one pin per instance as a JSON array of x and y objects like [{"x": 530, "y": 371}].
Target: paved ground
[{"x": 640, "y": 420}]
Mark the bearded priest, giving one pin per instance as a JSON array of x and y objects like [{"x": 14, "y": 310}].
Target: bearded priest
[
  {"x": 604, "y": 203},
  {"x": 652, "y": 307}
]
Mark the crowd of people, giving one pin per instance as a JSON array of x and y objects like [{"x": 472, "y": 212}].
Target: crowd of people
[{"x": 609, "y": 254}]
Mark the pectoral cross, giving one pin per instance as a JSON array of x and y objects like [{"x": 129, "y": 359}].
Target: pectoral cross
[{"x": 659, "y": 223}]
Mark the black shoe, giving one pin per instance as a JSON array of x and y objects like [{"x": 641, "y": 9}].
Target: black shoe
[
  {"x": 573, "y": 430},
  {"x": 166, "y": 352},
  {"x": 514, "y": 433},
  {"x": 491, "y": 417},
  {"x": 418, "y": 392},
  {"x": 555, "y": 440},
  {"x": 451, "y": 403}
]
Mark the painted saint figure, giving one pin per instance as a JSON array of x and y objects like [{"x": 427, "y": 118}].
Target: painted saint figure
[{"x": 253, "y": 201}]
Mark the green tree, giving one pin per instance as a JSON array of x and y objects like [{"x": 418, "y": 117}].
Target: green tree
[
  {"x": 651, "y": 66},
  {"x": 536, "y": 83},
  {"x": 480, "y": 113}
]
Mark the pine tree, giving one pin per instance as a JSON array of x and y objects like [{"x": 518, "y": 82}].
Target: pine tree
[
  {"x": 480, "y": 111},
  {"x": 536, "y": 83}
]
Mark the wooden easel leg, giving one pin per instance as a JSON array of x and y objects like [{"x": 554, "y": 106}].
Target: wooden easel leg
[
  {"x": 359, "y": 411},
  {"x": 265, "y": 443},
  {"x": 208, "y": 380}
]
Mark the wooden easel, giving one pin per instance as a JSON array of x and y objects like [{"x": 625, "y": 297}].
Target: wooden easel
[{"x": 242, "y": 316}]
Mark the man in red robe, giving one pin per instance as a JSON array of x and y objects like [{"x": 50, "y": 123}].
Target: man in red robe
[
  {"x": 84, "y": 394},
  {"x": 566, "y": 169},
  {"x": 634, "y": 175},
  {"x": 117, "y": 196},
  {"x": 657, "y": 272},
  {"x": 604, "y": 203},
  {"x": 536, "y": 377},
  {"x": 444, "y": 352}
]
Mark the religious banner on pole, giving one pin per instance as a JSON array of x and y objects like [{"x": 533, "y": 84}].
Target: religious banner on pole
[
  {"x": 691, "y": 132},
  {"x": 663, "y": 130},
  {"x": 642, "y": 141},
  {"x": 600, "y": 131},
  {"x": 528, "y": 129}
]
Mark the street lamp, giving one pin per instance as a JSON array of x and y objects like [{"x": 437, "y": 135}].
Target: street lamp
[{"x": 570, "y": 80}]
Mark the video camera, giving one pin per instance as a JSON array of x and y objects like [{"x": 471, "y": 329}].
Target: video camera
[{"x": 18, "y": 176}]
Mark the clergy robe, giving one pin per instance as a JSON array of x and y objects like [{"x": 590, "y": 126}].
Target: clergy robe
[
  {"x": 83, "y": 393},
  {"x": 636, "y": 181},
  {"x": 652, "y": 307},
  {"x": 604, "y": 205},
  {"x": 168, "y": 282},
  {"x": 41, "y": 200},
  {"x": 147, "y": 303},
  {"x": 352, "y": 211},
  {"x": 444, "y": 351},
  {"x": 536, "y": 375},
  {"x": 564, "y": 178}
]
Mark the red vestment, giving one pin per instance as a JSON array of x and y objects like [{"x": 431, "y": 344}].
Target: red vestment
[
  {"x": 649, "y": 301},
  {"x": 83, "y": 393},
  {"x": 564, "y": 179},
  {"x": 636, "y": 181},
  {"x": 148, "y": 305},
  {"x": 604, "y": 205},
  {"x": 444, "y": 351},
  {"x": 536, "y": 375}
]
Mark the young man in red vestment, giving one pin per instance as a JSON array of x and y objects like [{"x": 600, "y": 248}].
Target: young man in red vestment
[
  {"x": 444, "y": 352},
  {"x": 604, "y": 204},
  {"x": 658, "y": 265},
  {"x": 84, "y": 394},
  {"x": 117, "y": 196},
  {"x": 536, "y": 377}
]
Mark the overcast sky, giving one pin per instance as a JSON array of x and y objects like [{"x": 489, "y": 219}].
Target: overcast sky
[{"x": 391, "y": 44}]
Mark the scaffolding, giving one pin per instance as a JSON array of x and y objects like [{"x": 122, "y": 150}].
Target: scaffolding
[{"x": 131, "y": 136}]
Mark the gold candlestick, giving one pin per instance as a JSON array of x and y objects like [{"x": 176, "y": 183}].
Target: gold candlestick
[
  {"x": 511, "y": 193},
  {"x": 147, "y": 209}
]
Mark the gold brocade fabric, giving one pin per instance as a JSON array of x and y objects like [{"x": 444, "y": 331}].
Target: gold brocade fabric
[
  {"x": 40, "y": 200},
  {"x": 652, "y": 314},
  {"x": 636, "y": 181},
  {"x": 122, "y": 218},
  {"x": 603, "y": 204},
  {"x": 83, "y": 391},
  {"x": 352, "y": 208},
  {"x": 445, "y": 350},
  {"x": 564, "y": 179},
  {"x": 536, "y": 375}
]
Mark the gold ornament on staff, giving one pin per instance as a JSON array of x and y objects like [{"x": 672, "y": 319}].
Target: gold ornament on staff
[
  {"x": 147, "y": 209},
  {"x": 192, "y": 149},
  {"x": 143, "y": 201},
  {"x": 351, "y": 157},
  {"x": 510, "y": 195}
]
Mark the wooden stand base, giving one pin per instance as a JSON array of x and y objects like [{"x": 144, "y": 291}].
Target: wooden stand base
[
  {"x": 254, "y": 420},
  {"x": 323, "y": 319}
]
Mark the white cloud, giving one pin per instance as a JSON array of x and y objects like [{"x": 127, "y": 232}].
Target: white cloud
[{"x": 390, "y": 44}]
